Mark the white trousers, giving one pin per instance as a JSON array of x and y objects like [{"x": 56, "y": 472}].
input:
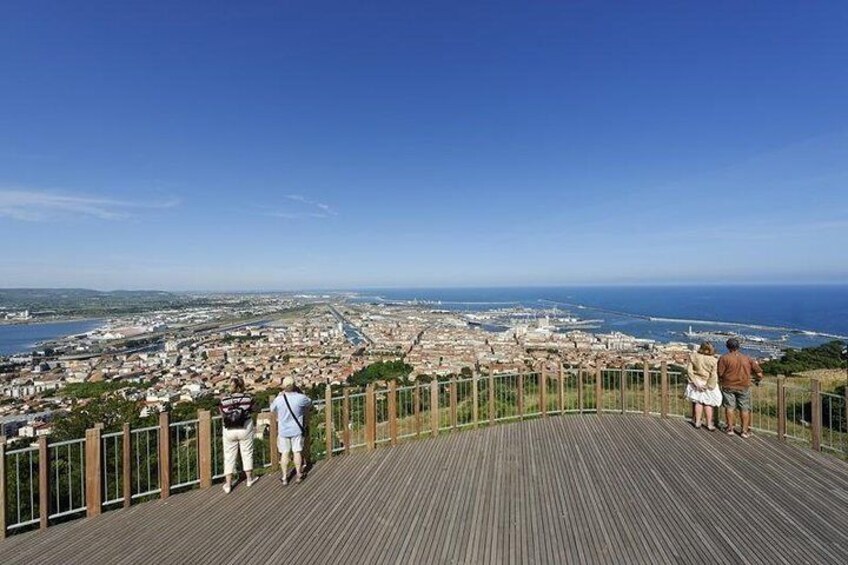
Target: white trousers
[{"x": 235, "y": 440}]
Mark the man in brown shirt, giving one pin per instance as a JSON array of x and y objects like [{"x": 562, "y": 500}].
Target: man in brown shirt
[{"x": 734, "y": 376}]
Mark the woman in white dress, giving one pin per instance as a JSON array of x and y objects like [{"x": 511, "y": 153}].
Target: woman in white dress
[{"x": 702, "y": 389}]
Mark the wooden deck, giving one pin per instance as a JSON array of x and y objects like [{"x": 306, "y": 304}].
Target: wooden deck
[{"x": 563, "y": 489}]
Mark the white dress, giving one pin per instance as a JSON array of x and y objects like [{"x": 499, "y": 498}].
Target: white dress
[
  {"x": 701, "y": 368},
  {"x": 705, "y": 396}
]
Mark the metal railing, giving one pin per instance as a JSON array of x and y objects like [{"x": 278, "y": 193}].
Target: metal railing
[{"x": 50, "y": 482}]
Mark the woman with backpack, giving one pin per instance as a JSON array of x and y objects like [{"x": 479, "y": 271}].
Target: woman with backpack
[{"x": 237, "y": 416}]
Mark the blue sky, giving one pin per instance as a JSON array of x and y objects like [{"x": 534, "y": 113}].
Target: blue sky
[{"x": 278, "y": 145}]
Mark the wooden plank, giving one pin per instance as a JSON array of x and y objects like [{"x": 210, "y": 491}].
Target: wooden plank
[
  {"x": 93, "y": 471},
  {"x": 165, "y": 454},
  {"x": 2, "y": 487},
  {"x": 816, "y": 414},
  {"x": 346, "y": 419},
  {"x": 329, "y": 432},
  {"x": 126, "y": 465},
  {"x": 646, "y": 385},
  {"x": 434, "y": 407},
  {"x": 453, "y": 403},
  {"x": 599, "y": 390},
  {"x": 393, "y": 427},
  {"x": 370, "y": 417},
  {"x": 43, "y": 481},
  {"x": 781, "y": 407},
  {"x": 664, "y": 389},
  {"x": 475, "y": 398},
  {"x": 204, "y": 447}
]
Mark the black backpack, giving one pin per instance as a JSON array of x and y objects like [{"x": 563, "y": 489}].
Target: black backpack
[{"x": 235, "y": 417}]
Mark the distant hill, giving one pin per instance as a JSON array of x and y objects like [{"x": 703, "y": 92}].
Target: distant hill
[{"x": 53, "y": 302}]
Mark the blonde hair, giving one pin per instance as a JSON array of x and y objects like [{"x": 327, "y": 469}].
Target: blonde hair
[
  {"x": 236, "y": 384},
  {"x": 706, "y": 348}
]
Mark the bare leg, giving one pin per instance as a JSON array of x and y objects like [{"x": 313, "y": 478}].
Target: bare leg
[
  {"x": 699, "y": 411},
  {"x": 730, "y": 416},
  {"x": 298, "y": 463},
  {"x": 746, "y": 422},
  {"x": 284, "y": 466},
  {"x": 708, "y": 410}
]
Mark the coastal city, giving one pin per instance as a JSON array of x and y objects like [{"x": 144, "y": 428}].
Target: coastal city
[{"x": 165, "y": 358}]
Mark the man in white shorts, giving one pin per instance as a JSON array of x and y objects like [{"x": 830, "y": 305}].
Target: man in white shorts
[{"x": 291, "y": 408}]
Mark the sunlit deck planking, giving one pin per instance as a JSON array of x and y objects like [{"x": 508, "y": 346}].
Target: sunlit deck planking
[{"x": 572, "y": 488}]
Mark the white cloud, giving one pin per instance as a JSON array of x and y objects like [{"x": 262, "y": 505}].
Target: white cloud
[
  {"x": 39, "y": 205},
  {"x": 305, "y": 209}
]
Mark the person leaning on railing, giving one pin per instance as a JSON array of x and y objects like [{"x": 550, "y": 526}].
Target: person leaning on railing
[
  {"x": 237, "y": 415},
  {"x": 734, "y": 375},
  {"x": 702, "y": 389},
  {"x": 291, "y": 408}
]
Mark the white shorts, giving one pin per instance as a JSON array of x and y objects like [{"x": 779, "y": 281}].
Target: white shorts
[{"x": 286, "y": 444}]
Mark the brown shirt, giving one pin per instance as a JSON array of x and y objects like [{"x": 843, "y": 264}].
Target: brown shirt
[{"x": 735, "y": 369}]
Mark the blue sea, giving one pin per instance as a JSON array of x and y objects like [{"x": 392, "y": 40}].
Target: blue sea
[
  {"x": 663, "y": 313},
  {"x": 26, "y": 337}
]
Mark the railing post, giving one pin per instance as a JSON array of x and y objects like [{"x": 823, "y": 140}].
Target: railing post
[
  {"x": 93, "y": 471},
  {"x": 580, "y": 403},
  {"x": 434, "y": 407},
  {"x": 370, "y": 417},
  {"x": 646, "y": 383},
  {"x": 2, "y": 487},
  {"x": 491, "y": 378},
  {"x": 393, "y": 432},
  {"x": 453, "y": 403},
  {"x": 126, "y": 465},
  {"x": 520, "y": 396},
  {"x": 561, "y": 388},
  {"x": 329, "y": 433},
  {"x": 43, "y": 481},
  {"x": 781, "y": 407},
  {"x": 416, "y": 399},
  {"x": 346, "y": 419},
  {"x": 845, "y": 414},
  {"x": 599, "y": 390},
  {"x": 165, "y": 454},
  {"x": 816, "y": 414},
  {"x": 204, "y": 447},
  {"x": 475, "y": 398},
  {"x": 543, "y": 385},
  {"x": 664, "y": 388},
  {"x": 622, "y": 385},
  {"x": 273, "y": 436}
]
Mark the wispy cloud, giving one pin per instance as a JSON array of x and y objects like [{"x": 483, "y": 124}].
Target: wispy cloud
[
  {"x": 304, "y": 208},
  {"x": 39, "y": 205}
]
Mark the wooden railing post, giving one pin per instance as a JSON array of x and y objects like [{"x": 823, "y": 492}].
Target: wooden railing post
[
  {"x": 273, "y": 436},
  {"x": 475, "y": 398},
  {"x": 491, "y": 380},
  {"x": 622, "y": 385},
  {"x": 434, "y": 407},
  {"x": 2, "y": 487},
  {"x": 43, "y": 481},
  {"x": 781, "y": 407},
  {"x": 370, "y": 417},
  {"x": 599, "y": 390},
  {"x": 561, "y": 388},
  {"x": 393, "y": 431},
  {"x": 845, "y": 414},
  {"x": 543, "y": 386},
  {"x": 93, "y": 471},
  {"x": 664, "y": 389},
  {"x": 126, "y": 465},
  {"x": 416, "y": 399},
  {"x": 329, "y": 432},
  {"x": 346, "y": 419},
  {"x": 646, "y": 383},
  {"x": 520, "y": 396},
  {"x": 165, "y": 454},
  {"x": 816, "y": 414},
  {"x": 453, "y": 403},
  {"x": 580, "y": 402},
  {"x": 204, "y": 447}
]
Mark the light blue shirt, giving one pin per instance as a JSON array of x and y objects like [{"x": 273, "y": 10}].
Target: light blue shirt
[{"x": 299, "y": 403}]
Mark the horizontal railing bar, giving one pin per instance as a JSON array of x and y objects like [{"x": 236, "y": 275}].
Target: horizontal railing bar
[
  {"x": 185, "y": 484},
  {"x": 182, "y": 423},
  {"x": 147, "y": 429},
  {"x": 23, "y": 524},
  {"x": 111, "y": 435},
  {"x": 113, "y": 501},
  {"x": 148, "y": 493},
  {"x": 68, "y": 512},
  {"x": 21, "y": 450},
  {"x": 66, "y": 442}
]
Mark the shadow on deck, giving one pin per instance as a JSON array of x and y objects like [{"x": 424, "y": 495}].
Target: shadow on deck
[{"x": 560, "y": 489}]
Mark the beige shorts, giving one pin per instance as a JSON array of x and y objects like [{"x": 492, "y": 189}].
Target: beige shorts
[{"x": 287, "y": 444}]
